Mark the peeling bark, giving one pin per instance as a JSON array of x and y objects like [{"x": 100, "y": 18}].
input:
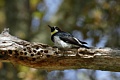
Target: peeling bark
[{"x": 43, "y": 56}]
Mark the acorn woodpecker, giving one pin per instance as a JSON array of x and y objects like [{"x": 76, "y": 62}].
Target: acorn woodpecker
[{"x": 63, "y": 39}]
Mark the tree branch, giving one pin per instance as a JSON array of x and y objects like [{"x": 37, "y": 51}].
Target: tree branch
[{"x": 43, "y": 56}]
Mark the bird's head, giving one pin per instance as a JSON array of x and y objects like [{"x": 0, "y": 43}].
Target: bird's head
[{"x": 54, "y": 29}]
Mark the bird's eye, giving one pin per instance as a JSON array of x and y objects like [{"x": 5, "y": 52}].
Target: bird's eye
[{"x": 57, "y": 28}]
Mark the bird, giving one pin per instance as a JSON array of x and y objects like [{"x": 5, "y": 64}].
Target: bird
[{"x": 64, "y": 39}]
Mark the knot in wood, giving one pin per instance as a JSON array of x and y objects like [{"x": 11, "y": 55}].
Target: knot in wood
[{"x": 86, "y": 53}]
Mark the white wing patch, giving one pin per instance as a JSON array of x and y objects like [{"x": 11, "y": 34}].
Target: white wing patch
[{"x": 77, "y": 40}]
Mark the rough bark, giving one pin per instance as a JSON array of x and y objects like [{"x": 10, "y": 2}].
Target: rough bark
[{"x": 43, "y": 56}]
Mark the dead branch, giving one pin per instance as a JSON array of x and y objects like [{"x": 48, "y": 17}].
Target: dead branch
[{"x": 38, "y": 55}]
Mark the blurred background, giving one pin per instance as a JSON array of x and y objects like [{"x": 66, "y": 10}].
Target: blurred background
[{"x": 95, "y": 21}]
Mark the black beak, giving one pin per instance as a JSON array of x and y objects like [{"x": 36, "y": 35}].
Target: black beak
[{"x": 49, "y": 26}]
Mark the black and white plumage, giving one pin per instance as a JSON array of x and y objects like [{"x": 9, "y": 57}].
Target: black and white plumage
[{"x": 63, "y": 39}]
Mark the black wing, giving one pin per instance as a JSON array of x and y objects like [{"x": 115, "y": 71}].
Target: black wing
[
  {"x": 74, "y": 41},
  {"x": 83, "y": 42},
  {"x": 67, "y": 37}
]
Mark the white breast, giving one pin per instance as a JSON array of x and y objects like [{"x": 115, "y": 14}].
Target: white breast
[{"x": 61, "y": 44}]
